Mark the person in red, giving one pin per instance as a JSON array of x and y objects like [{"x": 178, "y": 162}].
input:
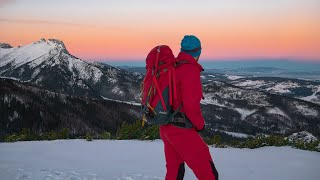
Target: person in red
[{"x": 183, "y": 144}]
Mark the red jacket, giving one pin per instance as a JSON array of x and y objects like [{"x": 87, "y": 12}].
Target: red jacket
[{"x": 189, "y": 89}]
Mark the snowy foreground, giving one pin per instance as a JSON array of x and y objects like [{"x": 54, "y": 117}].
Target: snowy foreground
[{"x": 144, "y": 160}]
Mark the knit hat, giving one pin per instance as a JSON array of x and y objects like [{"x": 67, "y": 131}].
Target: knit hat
[{"x": 191, "y": 44}]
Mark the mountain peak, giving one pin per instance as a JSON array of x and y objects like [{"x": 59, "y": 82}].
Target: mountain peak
[
  {"x": 54, "y": 43},
  {"x": 5, "y": 46}
]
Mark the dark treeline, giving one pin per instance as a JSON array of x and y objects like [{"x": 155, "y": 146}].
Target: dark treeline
[{"x": 26, "y": 106}]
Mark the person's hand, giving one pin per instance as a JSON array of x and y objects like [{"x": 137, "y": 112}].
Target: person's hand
[{"x": 200, "y": 130}]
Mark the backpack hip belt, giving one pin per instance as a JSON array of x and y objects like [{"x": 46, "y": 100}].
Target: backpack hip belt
[{"x": 181, "y": 120}]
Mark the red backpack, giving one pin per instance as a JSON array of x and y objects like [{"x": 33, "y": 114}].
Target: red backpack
[{"x": 159, "y": 86}]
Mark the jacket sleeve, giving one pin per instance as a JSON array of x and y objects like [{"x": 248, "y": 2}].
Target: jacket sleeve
[{"x": 191, "y": 96}]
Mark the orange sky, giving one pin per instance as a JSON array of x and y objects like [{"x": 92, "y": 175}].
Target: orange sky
[{"x": 127, "y": 30}]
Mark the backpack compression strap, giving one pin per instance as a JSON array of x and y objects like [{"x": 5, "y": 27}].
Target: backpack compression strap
[
  {"x": 172, "y": 85},
  {"x": 154, "y": 73}
]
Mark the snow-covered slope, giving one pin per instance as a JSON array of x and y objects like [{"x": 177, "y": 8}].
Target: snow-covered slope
[
  {"x": 297, "y": 88},
  {"x": 144, "y": 160},
  {"x": 230, "y": 108},
  {"x": 48, "y": 63},
  {"x": 303, "y": 136},
  {"x": 305, "y": 90}
]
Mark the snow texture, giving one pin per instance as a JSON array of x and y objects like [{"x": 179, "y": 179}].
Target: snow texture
[
  {"x": 304, "y": 136},
  {"x": 232, "y": 77},
  {"x": 238, "y": 135},
  {"x": 126, "y": 102},
  {"x": 278, "y": 111},
  {"x": 50, "y": 53},
  {"x": 283, "y": 87},
  {"x": 209, "y": 99},
  {"x": 144, "y": 160},
  {"x": 313, "y": 98},
  {"x": 306, "y": 110},
  {"x": 244, "y": 112},
  {"x": 250, "y": 83}
]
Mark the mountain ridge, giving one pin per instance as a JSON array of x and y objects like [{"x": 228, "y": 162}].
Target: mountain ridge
[{"x": 49, "y": 64}]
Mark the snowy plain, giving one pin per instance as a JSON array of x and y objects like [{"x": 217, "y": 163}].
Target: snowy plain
[{"x": 144, "y": 160}]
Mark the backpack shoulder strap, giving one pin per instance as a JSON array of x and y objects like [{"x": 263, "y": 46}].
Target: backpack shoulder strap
[{"x": 179, "y": 63}]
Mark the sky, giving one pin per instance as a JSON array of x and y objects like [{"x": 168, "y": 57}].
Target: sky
[{"x": 124, "y": 30}]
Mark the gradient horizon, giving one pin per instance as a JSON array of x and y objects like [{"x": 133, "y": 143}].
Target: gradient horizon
[{"x": 119, "y": 30}]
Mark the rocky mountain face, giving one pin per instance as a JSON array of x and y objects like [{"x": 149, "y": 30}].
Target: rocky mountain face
[
  {"x": 48, "y": 63},
  {"x": 5, "y": 46},
  {"x": 24, "y": 105}
]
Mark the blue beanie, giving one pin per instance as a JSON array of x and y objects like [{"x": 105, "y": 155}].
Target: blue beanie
[{"x": 191, "y": 44}]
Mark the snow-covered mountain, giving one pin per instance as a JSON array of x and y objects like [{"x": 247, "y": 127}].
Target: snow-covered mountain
[
  {"x": 233, "y": 109},
  {"x": 297, "y": 88},
  {"x": 49, "y": 64}
]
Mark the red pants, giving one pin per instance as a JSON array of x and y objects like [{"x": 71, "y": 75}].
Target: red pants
[{"x": 186, "y": 145}]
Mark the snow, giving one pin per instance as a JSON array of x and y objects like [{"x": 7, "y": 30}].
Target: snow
[
  {"x": 304, "y": 136},
  {"x": 5, "y": 51},
  {"x": 313, "y": 97},
  {"x": 235, "y": 134},
  {"x": 276, "y": 110},
  {"x": 306, "y": 110},
  {"x": 85, "y": 71},
  {"x": 49, "y": 53},
  {"x": 210, "y": 75},
  {"x": 232, "y": 77},
  {"x": 144, "y": 160},
  {"x": 283, "y": 87},
  {"x": 209, "y": 99},
  {"x": 117, "y": 90},
  {"x": 244, "y": 112},
  {"x": 14, "y": 116},
  {"x": 251, "y": 83},
  {"x": 126, "y": 102},
  {"x": 12, "y": 78},
  {"x": 35, "y": 72},
  {"x": 24, "y": 54}
]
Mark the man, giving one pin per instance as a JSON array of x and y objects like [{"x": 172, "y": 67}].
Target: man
[{"x": 181, "y": 143}]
